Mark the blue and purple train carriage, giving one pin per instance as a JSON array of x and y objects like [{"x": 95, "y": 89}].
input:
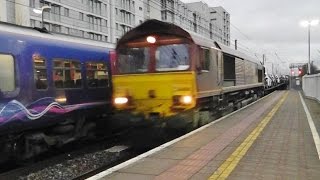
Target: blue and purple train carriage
[{"x": 52, "y": 89}]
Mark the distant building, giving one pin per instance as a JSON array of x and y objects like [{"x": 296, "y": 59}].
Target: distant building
[
  {"x": 220, "y": 19},
  {"x": 108, "y": 20},
  {"x": 211, "y": 22}
]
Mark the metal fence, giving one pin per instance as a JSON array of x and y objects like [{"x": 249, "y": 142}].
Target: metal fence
[{"x": 311, "y": 86}]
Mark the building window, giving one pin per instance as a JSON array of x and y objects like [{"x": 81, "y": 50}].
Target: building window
[
  {"x": 67, "y": 30},
  {"x": 32, "y": 3},
  {"x": 91, "y": 20},
  {"x": 56, "y": 28},
  {"x": 81, "y": 16},
  {"x": 55, "y": 10},
  {"x": 140, "y": 8},
  {"x": 66, "y": 12},
  {"x": 91, "y": 36},
  {"x": 67, "y": 73},
  {"x": 98, "y": 20},
  {"x": 7, "y": 75},
  {"x": 47, "y": 26},
  {"x": 81, "y": 33},
  {"x": 106, "y": 38},
  {"x": 99, "y": 8},
  {"x": 99, "y": 36},
  {"x": 97, "y": 74},
  {"x": 32, "y": 23},
  {"x": 40, "y": 72}
]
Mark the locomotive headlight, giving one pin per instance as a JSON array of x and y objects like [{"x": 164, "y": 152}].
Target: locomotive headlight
[
  {"x": 186, "y": 99},
  {"x": 151, "y": 39},
  {"x": 120, "y": 100}
]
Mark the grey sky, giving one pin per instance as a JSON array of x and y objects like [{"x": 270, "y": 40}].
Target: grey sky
[{"x": 272, "y": 26}]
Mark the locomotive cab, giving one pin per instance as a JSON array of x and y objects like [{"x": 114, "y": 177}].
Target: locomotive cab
[{"x": 154, "y": 75}]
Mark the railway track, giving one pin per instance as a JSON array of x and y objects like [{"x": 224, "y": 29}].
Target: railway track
[
  {"x": 59, "y": 156},
  {"x": 83, "y": 163}
]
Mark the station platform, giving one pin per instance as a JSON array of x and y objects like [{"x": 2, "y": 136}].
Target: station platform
[{"x": 273, "y": 138}]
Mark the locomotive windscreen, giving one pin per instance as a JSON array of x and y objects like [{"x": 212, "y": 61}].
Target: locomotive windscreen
[{"x": 155, "y": 54}]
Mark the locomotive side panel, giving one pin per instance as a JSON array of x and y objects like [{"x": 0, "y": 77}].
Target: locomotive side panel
[
  {"x": 251, "y": 72},
  {"x": 209, "y": 72},
  {"x": 240, "y": 71}
]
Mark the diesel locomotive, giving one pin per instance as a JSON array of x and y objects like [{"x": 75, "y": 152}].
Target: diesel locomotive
[
  {"x": 53, "y": 88},
  {"x": 167, "y": 76}
]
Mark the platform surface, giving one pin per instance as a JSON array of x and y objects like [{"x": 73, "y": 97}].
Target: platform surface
[{"x": 270, "y": 139}]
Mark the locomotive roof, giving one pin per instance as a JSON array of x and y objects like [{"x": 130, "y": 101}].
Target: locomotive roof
[
  {"x": 34, "y": 32},
  {"x": 154, "y": 27},
  {"x": 203, "y": 41},
  {"x": 159, "y": 27}
]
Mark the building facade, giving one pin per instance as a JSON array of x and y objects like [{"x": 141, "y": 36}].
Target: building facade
[
  {"x": 198, "y": 17},
  {"x": 220, "y": 19},
  {"x": 108, "y": 20}
]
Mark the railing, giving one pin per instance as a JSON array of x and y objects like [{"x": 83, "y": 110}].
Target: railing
[{"x": 311, "y": 86}]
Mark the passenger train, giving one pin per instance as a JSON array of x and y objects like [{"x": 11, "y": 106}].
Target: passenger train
[
  {"x": 173, "y": 78},
  {"x": 52, "y": 89}
]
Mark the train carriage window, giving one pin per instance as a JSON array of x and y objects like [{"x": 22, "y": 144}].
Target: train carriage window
[
  {"x": 97, "y": 74},
  {"x": 7, "y": 76},
  {"x": 67, "y": 73},
  {"x": 40, "y": 72},
  {"x": 205, "y": 59}
]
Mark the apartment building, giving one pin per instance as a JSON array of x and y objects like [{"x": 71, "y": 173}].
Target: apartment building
[
  {"x": 108, "y": 20},
  {"x": 220, "y": 19},
  {"x": 211, "y": 22}
]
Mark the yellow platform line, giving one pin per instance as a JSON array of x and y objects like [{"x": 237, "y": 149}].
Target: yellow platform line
[{"x": 232, "y": 161}]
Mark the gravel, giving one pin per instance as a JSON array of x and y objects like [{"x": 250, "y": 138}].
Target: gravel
[{"x": 73, "y": 168}]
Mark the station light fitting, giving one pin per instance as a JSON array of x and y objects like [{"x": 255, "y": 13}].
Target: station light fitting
[{"x": 40, "y": 10}]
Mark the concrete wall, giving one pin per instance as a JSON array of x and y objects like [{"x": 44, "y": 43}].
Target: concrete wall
[
  {"x": 311, "y": 86},
  {"x": 139, "y": 12},
  {"x": 3, "y": 11},
  {"x": 152, "y": 9},
  {"x": 11, "y": 15}
]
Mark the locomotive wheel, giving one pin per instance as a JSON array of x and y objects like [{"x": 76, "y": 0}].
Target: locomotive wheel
[
  {"x": 194, "y": 120},
  {"x": 255, "y": 97},
  {"x": 205, "y": 118},
  {"x": 199, "y": 118}
]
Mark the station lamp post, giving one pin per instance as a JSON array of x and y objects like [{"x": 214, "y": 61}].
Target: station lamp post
[
  {"x": 309, "y": 24},
  {"x": 40, "y": 11}
]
